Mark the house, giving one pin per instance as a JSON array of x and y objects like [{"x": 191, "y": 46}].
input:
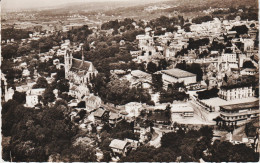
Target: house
[
  {"x": 239, "y": 113},
  {"x": 231, "y": 34},
  {"x": 114, "y": 118},
  {"x": 100, "y": 115},
  {"x": 92, "y": 102},
  {"x": 133, "y": 143},
  {"x": 182, "y": 110},
  {"x": 26, "y": 73},
  {"x": 229, "y": 57},
  {"x": 177, "y": 75},
  {"x": 78, "y": 91},
  {"x": 119, "y": 146},
  {"x": 140, "y": 78},
  {"x": 32, "y": 96}
]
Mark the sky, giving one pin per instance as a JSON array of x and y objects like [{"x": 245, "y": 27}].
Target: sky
[{"x": 24, "y": 4}]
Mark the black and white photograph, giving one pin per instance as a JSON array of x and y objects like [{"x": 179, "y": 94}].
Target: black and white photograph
[{"x": 129, "y": 81}]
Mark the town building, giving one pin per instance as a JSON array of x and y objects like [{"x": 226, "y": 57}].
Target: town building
[
  {"x": 239, "y": 113},
  {"x": 119, "y": 146},
  {"x": 92, "y": 102},
  {"x": 177, "y": 75},
  {"x": 182, "y": 110},
  {"x": 114, "y": 118},
  {"x": 32, "y": 96},
  {"x": 100, "y": 115},
  {"x": 232, "y": 92}
]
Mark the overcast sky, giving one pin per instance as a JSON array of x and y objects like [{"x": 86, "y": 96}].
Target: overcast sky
[{"x": 22, "y": 4}]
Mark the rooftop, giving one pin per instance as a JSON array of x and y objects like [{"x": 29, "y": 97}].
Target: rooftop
[
  {"x": 114, "y": 116},
  {"x": 178, "y": 73},
  {"x": 99, "y": 112},
  {"x": 118, "y": 144},
  {"x": 241, "y": 106},
  {"x": 181, "y": 108}
]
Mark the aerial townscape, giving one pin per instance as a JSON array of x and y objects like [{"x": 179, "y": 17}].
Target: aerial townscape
[{"x": 160, "y": 81}]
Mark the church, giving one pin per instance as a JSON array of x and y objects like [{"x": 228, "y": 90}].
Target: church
[{"x": 78, "y": 72}]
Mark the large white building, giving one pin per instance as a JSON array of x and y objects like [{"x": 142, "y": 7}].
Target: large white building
[
  {"x": 229, "y": 57},
  {"x": 236, "y": 92},
  {"x": 32, "y": 96},
  {"x": 177, "y": 75}
]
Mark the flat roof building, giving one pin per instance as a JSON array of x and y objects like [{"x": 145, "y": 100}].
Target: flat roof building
[
  {"x": 177, "y": 75},
  {"x": 239, "y": 113}
]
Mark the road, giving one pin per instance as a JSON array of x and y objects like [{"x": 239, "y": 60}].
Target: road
[{"x": 157, "y": 141}]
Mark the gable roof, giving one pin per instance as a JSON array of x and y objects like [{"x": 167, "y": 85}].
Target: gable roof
[
  {"x": 118, "y": 144},
  {"x": 78, "y": 64}
]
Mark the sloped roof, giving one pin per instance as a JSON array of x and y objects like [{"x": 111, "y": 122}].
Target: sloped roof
[
  {"x": 79, "y": 65},
  {"x": 114, "y": 116},
  {"x": 118, "y": 144},
  {"x": 99, "y": 113}
]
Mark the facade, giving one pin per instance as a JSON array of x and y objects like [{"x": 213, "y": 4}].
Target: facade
[
  {"x": 229, "y": 57},
  {"x": 177, "y": 75},
  {"x": 239, "y": 113},
  {"x": 236, "y": 92},
  {"x": 32, "y": 96}
]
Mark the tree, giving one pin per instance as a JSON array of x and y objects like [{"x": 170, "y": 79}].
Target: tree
[
  {"x": 248, "y": 64},
  {"x": 19, "y": 97},
  {"x": 240, "y": 29},
  {"x": 151, "y": 67},
  {"x": 48, "y": 95},
  {"x": 63, "y": 85},
  {"x": 40, "y": 83},
  {"x": 9, "y": 51},
  {"x": 81, "y": 104},
  {"x": 157, "y": 81}
]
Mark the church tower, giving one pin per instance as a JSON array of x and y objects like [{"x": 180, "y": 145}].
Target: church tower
[{"x": 67, "y": 62}]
